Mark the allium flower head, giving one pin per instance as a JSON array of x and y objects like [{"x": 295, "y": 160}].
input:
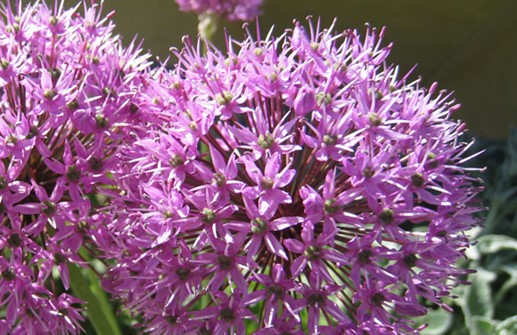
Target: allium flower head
[
  {"x": 233, "y": 10},
  {"x": 293, "y": 185},
  {"x": 66, "y": 88}
]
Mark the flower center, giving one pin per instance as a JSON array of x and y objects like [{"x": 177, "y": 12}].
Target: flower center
[
  {"x": 267, "y": 183},
  {"x": 387, "y": 216},
  {"x": 312, "y": 252},
  {"x": 183, "y": 273},
  {"x": 48, "y": 207},
  {"x": 377, "y": 299},
  {"x": 225, "y": 262},
  {"x": 364, "y": 256},
  {"x": 315, "y": 299},
  {"x": 227, "y": 314},
  {"x": 275, "y": 290},
  {"x": 207, "y": 215},
  {"x": 409, "y": 260},
  {"x": 176, "y": 160},
  {"x": 73, "y": 173},
  {"x": 14, "y": 240},
  {"x": 219, "y": 179},
  {"x": 258, "y": 226}
]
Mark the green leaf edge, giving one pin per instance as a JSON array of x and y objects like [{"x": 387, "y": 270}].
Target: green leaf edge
[{"x": 85, "y": 286}]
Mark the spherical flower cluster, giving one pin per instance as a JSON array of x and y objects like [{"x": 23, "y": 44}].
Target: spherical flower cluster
[
  {"x": 233, "y": 10},
  {"x": 66, "y": 88},
  {"x": 292, "y": 185}
]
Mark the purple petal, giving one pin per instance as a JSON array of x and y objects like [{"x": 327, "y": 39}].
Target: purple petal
[
  {"x": 274, "y": 246},
  {"x": 298, "y": 265}
]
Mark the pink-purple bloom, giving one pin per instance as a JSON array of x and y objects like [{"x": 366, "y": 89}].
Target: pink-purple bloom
[
  {"x": 233, "y": 10},
  {"x": 67, "y": 88},
  {"x": 287, "y": 177}
]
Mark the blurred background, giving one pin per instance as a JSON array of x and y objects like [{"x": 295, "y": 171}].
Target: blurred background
[{"x": 468, "y": 46}]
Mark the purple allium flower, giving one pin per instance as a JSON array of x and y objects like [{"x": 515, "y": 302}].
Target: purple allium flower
[
  {"x": 293, "y": 184},
  {"x": 67, "y": 88},
  {"x": 233, "y": 10}
]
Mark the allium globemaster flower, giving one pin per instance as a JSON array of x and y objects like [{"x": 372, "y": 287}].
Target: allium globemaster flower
[
  {"x": 233, "y": 10},
  {"x": 290, "y": 185},
  {"x": 67, "y": 88}
]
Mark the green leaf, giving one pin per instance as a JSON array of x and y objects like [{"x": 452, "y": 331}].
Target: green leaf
[
  {"x": 477, "y": 298},
  {"x": 511, "y": 282},
  {"x": 438, "y": 321},
  {"x": 507, "y": 326},
  {"x": 490, "y": 244},
  {"x": 482, "y": 326},
  {"x": 85, "y": 285}
]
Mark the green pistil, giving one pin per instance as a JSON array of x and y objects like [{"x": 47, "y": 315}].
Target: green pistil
[
  {"x": 224, "y": 98},
  {"x": 11, "y": 139},
  {"x": 73, "y": 173},
  {"x": 266, "y": 142},
  {"x": 176, "y": 161},
  {"x": 14, "y": 241},
  {"x": 364, "y": 256},
  {"x": 95, "y": 164},
  {"x": 323, "y": 98},
  {"x": 312, "y": 252},
  {"x": 183, "y": 273},
  {"x": 377, "y": 299},
  {"x": 387, "y": 216},
  {"x": 55, "y": 73},
  {"x": 330, "y": 207},
  {"x": 275, "y": 290},
  {"x": 109, "y": 91},
  {"x": 49, "y": 94},
  {"x": 432, "y": 161},
  {"x": 82, "y": 226},
  {"x": 33, "y": 132},
  {"x": 258, "y": 226},
  {"x": 59, "y": 259},
  {"x": 410, "y": 260},
  {"x": 368, "y": 172},
  {"x": 73, "y": 105},
  {"x": 172, "y": 319},
  {"x": 315, "y": 299},
  {"x": 225, "y": 262},
  {"x": 219, "y": 179},
  {"x": 227, "y": 314},
  {"x": 375, "y": 120},
  {"x": 48, "y": 207},
  {"x": 4, "y": 63},
  {"x": 329, "y": 139},
  {"x": 417, "y": 180},
  {"x": 267, "y": 183},
  {"x": 207, "y": 215},
  {"x": 102, "y": 121}
]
